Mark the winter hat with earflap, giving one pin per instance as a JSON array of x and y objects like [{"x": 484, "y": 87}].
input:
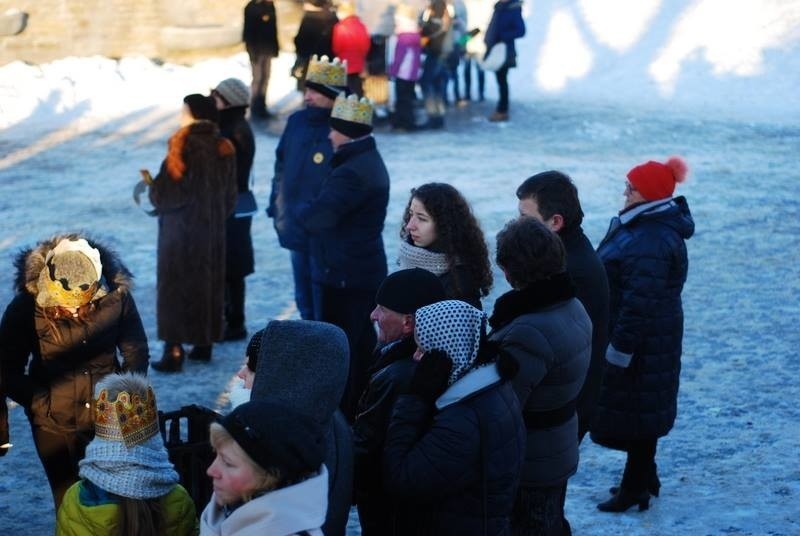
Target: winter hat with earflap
[
  {"x": 127, "y": 456},
  {"x": 654, "y": 180},
  {"x": 71, "y": 275},
  {"x": 277, "y": 436},
  {"x": 455, "y": 327},
  {"x": 234, "y": 92}
]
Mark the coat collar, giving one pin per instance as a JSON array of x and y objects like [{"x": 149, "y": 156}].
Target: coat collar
[
  {"x": 472, "y": 382},
  {"x": 394, "y": 351},
  {"x": 348, "y": 150},
  {"x": 539, "y": 295}
]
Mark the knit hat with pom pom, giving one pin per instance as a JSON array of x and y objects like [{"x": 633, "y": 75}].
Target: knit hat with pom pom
[{"x": 655, "y": 180}]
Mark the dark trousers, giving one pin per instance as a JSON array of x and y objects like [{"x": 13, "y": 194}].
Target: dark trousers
[
  {"x": 540, "y": 511},
  {"x": 60, "y": 454},
  {"x": 405, "y": 95},
  {"x": 234, "y": 302},
  {"x": 468, "y": 62},
  {"x": 350, "y": 309},
  {"x": 355, "y": 84},
  {"x": 640, "y": 465},
  {"x": 303, "y": 289},
  {"x": 502, "y": 88}
]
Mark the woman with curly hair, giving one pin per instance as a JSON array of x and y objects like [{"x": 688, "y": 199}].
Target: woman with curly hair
[{"x": 440, "y": 234}]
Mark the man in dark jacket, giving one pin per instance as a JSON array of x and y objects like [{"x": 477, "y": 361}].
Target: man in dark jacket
[
  {"x": 644, "y": 253},
  {"x": 231, "y": 96},
  {"x": 398, "y": 298},
  {"x": 345, "y": 222},
  {"x": 302, "y": 163},
  {"x": 260, "y": 36},
  {"x": 314, "y": 36},
  {"x": 551, "y": 198}
]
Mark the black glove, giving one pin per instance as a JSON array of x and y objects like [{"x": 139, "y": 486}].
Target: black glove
[{"x": 430, "y": 379}]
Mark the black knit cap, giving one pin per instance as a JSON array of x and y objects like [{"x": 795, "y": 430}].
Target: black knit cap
[
  {"x": 405, "y": 291},
  {"x": 277, "y": 437},
  {"x": 329, "y": 91},
  {"x": 202, "y": 107},
  {"x": 351, "y": 129}
]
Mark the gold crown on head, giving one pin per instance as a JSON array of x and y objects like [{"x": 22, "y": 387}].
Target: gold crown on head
[
  {"x": 129, "y": 419},
  {"x": 353, "y": 109},
  {"x": 327, "y": 73}
]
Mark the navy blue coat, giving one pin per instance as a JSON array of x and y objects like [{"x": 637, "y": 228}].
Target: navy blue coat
[
  {"x": 505, "y": 26},
  {"x": 345, "y": 221},
  {"x": 645, "y": 258},
  {"x": 302, "y": 163},
  {"x": 438, "y": 460}
]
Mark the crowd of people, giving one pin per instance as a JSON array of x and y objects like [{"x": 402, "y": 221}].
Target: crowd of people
[{"x": 427, "y": 413}]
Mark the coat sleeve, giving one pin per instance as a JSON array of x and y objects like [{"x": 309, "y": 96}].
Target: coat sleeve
[
  {"x": 277, "y": 178},
  {"x": 340, "y": 195},
  {"x": 427, "y": 464},
  {"x": 167, "y": 193},
  {"x": 17, "y": 340},
  {"x": 132, "y": 341},
  {"x": 532, "y": 351}
]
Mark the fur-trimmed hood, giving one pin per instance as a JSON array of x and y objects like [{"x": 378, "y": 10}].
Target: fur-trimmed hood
[{"x": 29, "y": 263}]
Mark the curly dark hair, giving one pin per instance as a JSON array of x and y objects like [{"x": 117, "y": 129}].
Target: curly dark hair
[
  {"x": 458, "y": 234},
  {"x": 528, "y": 252}
]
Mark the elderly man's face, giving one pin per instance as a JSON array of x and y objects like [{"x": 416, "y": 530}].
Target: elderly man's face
[{"x": 392, "y": 326}]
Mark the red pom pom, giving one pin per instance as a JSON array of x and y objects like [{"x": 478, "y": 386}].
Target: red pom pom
[{"x": 678, "y": 167}]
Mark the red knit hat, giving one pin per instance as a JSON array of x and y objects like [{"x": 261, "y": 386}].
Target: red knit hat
[{"x": 655, "y": 180}]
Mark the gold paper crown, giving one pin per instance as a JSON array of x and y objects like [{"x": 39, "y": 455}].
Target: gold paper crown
[
  {"x": 352, "y": 109},
  {"x": 128, "y": 418},
  {"x": 327, "y": 73}
]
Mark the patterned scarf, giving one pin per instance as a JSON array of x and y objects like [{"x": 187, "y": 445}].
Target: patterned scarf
[
  {"x": 455, "y": 327},
  {"x": 411, "y": 256}
]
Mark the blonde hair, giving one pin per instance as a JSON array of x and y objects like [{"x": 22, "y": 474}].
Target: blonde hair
[{"x": 266, "y": 480}]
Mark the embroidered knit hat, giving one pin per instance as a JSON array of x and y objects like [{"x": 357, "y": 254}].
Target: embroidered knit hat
[
  {"x": 405, "y": 291},
  {"x": 71, "y": 275},
  {"x": 655, "y": 180},
  {"x": 202, "y": 107},
  {"x": 234, "y": 92},
  {"x": 455, "y": 327},
  {"x": 277, "y": 436},
  {"x": 127, "y": 456}
]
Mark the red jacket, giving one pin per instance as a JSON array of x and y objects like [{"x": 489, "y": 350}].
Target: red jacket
[{"x": 351, "y": 42}]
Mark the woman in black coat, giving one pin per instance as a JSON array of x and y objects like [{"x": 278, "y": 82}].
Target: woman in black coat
[
  {"x": 72, "y": 311},
  {"x": 456, "y": 441},
  {"x": 314, "y": 36},
  {"x": 440, "y": 234},
  {"x": 644, "y": 253}
]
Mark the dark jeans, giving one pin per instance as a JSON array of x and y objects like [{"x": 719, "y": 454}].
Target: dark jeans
[
  {"x": 405, "y": 95},
  {"x": 639, "y": 465},
  {"x": 350, "y": 309},
  {"x": 502, "y": 88},
  {"x": 60, "y": 454},
  {"x": 433, "y": 84},
  {"x": 234, "y": 302},
  {"x": 468, "y": 62},
  {"x": 540, "y": 511},
  {"x": 303, "y": 290}
]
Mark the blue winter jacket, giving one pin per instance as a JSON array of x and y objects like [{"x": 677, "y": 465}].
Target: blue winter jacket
[
  {"x": 506, "y": 26},
  {"x": 441, "y": 461},
  {"x": 644, "y": 254},
  {"x": 345, "y": 221},
  {"x": 302, "y": 163}
]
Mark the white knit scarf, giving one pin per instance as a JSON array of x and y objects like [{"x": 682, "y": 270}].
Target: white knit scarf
[{"x": 411, "y": 256}]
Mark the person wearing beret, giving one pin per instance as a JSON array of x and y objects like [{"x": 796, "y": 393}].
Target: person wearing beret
[
  {"x": 268, "y": 474},
  {"x": 398, "y": 298}
]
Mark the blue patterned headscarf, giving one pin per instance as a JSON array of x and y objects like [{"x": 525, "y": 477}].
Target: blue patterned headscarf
[{"x": 455, "y": 327}]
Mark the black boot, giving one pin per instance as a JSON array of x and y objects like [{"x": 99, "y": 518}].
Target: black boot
[
  {"x": 653, "y": 486},
  {"x": 201, "y": 353},
  {"x": 624, "y": 500},
  {"x": 171, "y": 360},
  {"x": 232, "y": 333}
]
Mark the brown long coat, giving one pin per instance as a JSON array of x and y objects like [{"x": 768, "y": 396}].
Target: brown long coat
[{"x": 194, "y": 192}]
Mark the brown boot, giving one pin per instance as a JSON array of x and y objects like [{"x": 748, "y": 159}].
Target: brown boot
[
  {"x": 171, "y": 360},
  {"x": 498, "y": 117}
]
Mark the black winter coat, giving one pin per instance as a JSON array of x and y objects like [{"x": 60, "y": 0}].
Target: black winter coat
[
  {"x": 239, "y": 260},
  {"x": 645, "y": 257},
  {"x": 69, "y": 356},
  {"x": 345, "y": 221},
  {"x": 315, "y": 34},
  {"x": 441, "y": 460},
  {"x": 260, "y": 31},
  {"x": 3, "y": 417},
  {"x": 547, "y": 331},
  {"x": 591, "y": 287},
  {"x": 191, "y": 233}
]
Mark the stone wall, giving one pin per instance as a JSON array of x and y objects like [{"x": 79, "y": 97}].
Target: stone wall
[{"x": 171, "y": 30}]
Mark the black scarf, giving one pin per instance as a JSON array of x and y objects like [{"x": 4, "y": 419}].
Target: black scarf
[{"x": 534, "y": 297}]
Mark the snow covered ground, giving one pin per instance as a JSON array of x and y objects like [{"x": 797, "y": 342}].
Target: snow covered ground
[{"x": 74, "y": 133}]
